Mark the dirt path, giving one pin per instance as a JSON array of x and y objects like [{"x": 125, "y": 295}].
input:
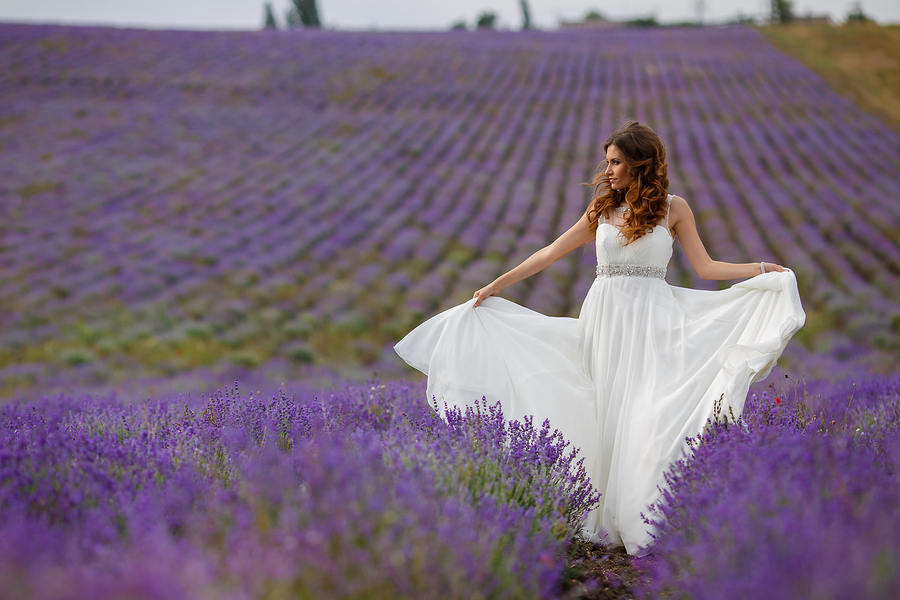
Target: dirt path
[{"x": 596, "y": 572}]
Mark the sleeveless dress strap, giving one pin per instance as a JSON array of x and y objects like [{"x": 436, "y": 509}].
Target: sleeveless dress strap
[
  {"x": 603, "y": 219},
  {"x": 668, "y": 207}
]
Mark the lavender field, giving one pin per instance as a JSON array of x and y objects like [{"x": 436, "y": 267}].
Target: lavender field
[
  {"x": 178, "y": 207},
  {"x": 178, "y": 200},
  {"x": 368, "y": 494}
]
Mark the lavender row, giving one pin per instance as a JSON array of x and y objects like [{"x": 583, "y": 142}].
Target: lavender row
[
  {"x": 365, "y": 494},
  {"x": 803, "y": 490}
]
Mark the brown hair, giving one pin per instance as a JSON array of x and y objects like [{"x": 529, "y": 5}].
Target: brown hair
[{"x": 645, "y": 157}]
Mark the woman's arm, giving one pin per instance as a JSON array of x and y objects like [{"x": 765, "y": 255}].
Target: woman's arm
[
  {"x": 681, "y": 221},
  {"x": 578, "y": 235}
]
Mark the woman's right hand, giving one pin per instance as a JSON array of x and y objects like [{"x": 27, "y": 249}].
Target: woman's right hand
[
  {"x": 578, "y": 235},
  {"x": 485, "y": 292}
]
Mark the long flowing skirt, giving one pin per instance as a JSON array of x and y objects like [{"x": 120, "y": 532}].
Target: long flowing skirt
[{"x": 631, "y": 378}]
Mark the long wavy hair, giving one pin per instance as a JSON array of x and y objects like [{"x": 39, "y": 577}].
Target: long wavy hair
[{"x": 645, "y": 157}]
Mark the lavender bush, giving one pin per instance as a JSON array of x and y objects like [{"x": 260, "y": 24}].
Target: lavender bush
[
  {"x": 367, "y": 494},
  {"x": 799, "y": 499}
]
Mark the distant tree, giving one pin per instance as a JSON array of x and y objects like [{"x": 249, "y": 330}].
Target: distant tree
[
  {"x": 486, "y": 20},
  {"x": 305, "y": 13},
  {"x": 857, "y": 14},
  {"x": 782, "y": 11},
  {"x": 270, "y": 18},
  {"x": 526, "y": 15},
  {"x": 643, "y": 22},
  {"x": 741, "y": 19},
  {"x": 593, "y": 15},
  {"x": 459, "y": 25}
]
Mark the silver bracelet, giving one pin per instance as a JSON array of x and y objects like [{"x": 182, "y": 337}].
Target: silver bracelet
[{"x": 762, "y": 268}]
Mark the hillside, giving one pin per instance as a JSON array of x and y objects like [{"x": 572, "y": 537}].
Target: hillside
[
  {"x": 860, "y": 61},
  {"x": 174, "y": 200}
]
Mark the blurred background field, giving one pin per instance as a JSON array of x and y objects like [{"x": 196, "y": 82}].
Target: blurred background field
[{"x": 180, "y": 207}]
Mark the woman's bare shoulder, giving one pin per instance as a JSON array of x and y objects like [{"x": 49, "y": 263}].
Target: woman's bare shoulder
[
  {"x": 679, "y": 213},
  {"x": 678, "y": 207},
  {"x": 678, "y": 202}
]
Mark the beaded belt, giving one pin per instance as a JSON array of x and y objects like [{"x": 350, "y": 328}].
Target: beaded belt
[{"x": 630, "y": 271}]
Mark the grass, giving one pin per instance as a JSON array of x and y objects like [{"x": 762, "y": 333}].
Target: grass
[{"x": 861, "y": 62}]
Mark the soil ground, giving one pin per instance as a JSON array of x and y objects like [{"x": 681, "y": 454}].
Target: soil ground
[{"x": 597, "y": 572}]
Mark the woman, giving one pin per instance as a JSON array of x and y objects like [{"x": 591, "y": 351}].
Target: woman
[{"x": 642, "y": 367}]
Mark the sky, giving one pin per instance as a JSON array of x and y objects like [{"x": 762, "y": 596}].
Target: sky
[{"x": 402, "y": 14}]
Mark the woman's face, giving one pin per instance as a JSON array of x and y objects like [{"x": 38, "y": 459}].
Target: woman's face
[{"x": 616, "y": 169}]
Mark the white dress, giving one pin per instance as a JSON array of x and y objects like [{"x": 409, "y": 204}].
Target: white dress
[{"x": 627, "y": 381}]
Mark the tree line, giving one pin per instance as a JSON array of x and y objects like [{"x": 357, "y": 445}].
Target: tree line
[{"x": 305, "y": 13}]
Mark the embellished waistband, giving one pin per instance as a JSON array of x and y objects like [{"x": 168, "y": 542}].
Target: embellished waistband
[{"x": 630, "y": 271}]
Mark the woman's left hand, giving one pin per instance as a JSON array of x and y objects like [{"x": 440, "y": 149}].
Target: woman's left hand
[
  {"x": 485, "y": 292},
  {"x": 773, "y": 267}
]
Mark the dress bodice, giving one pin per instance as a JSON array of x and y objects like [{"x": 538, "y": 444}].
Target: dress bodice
[{"x": 653, "y": 250}]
